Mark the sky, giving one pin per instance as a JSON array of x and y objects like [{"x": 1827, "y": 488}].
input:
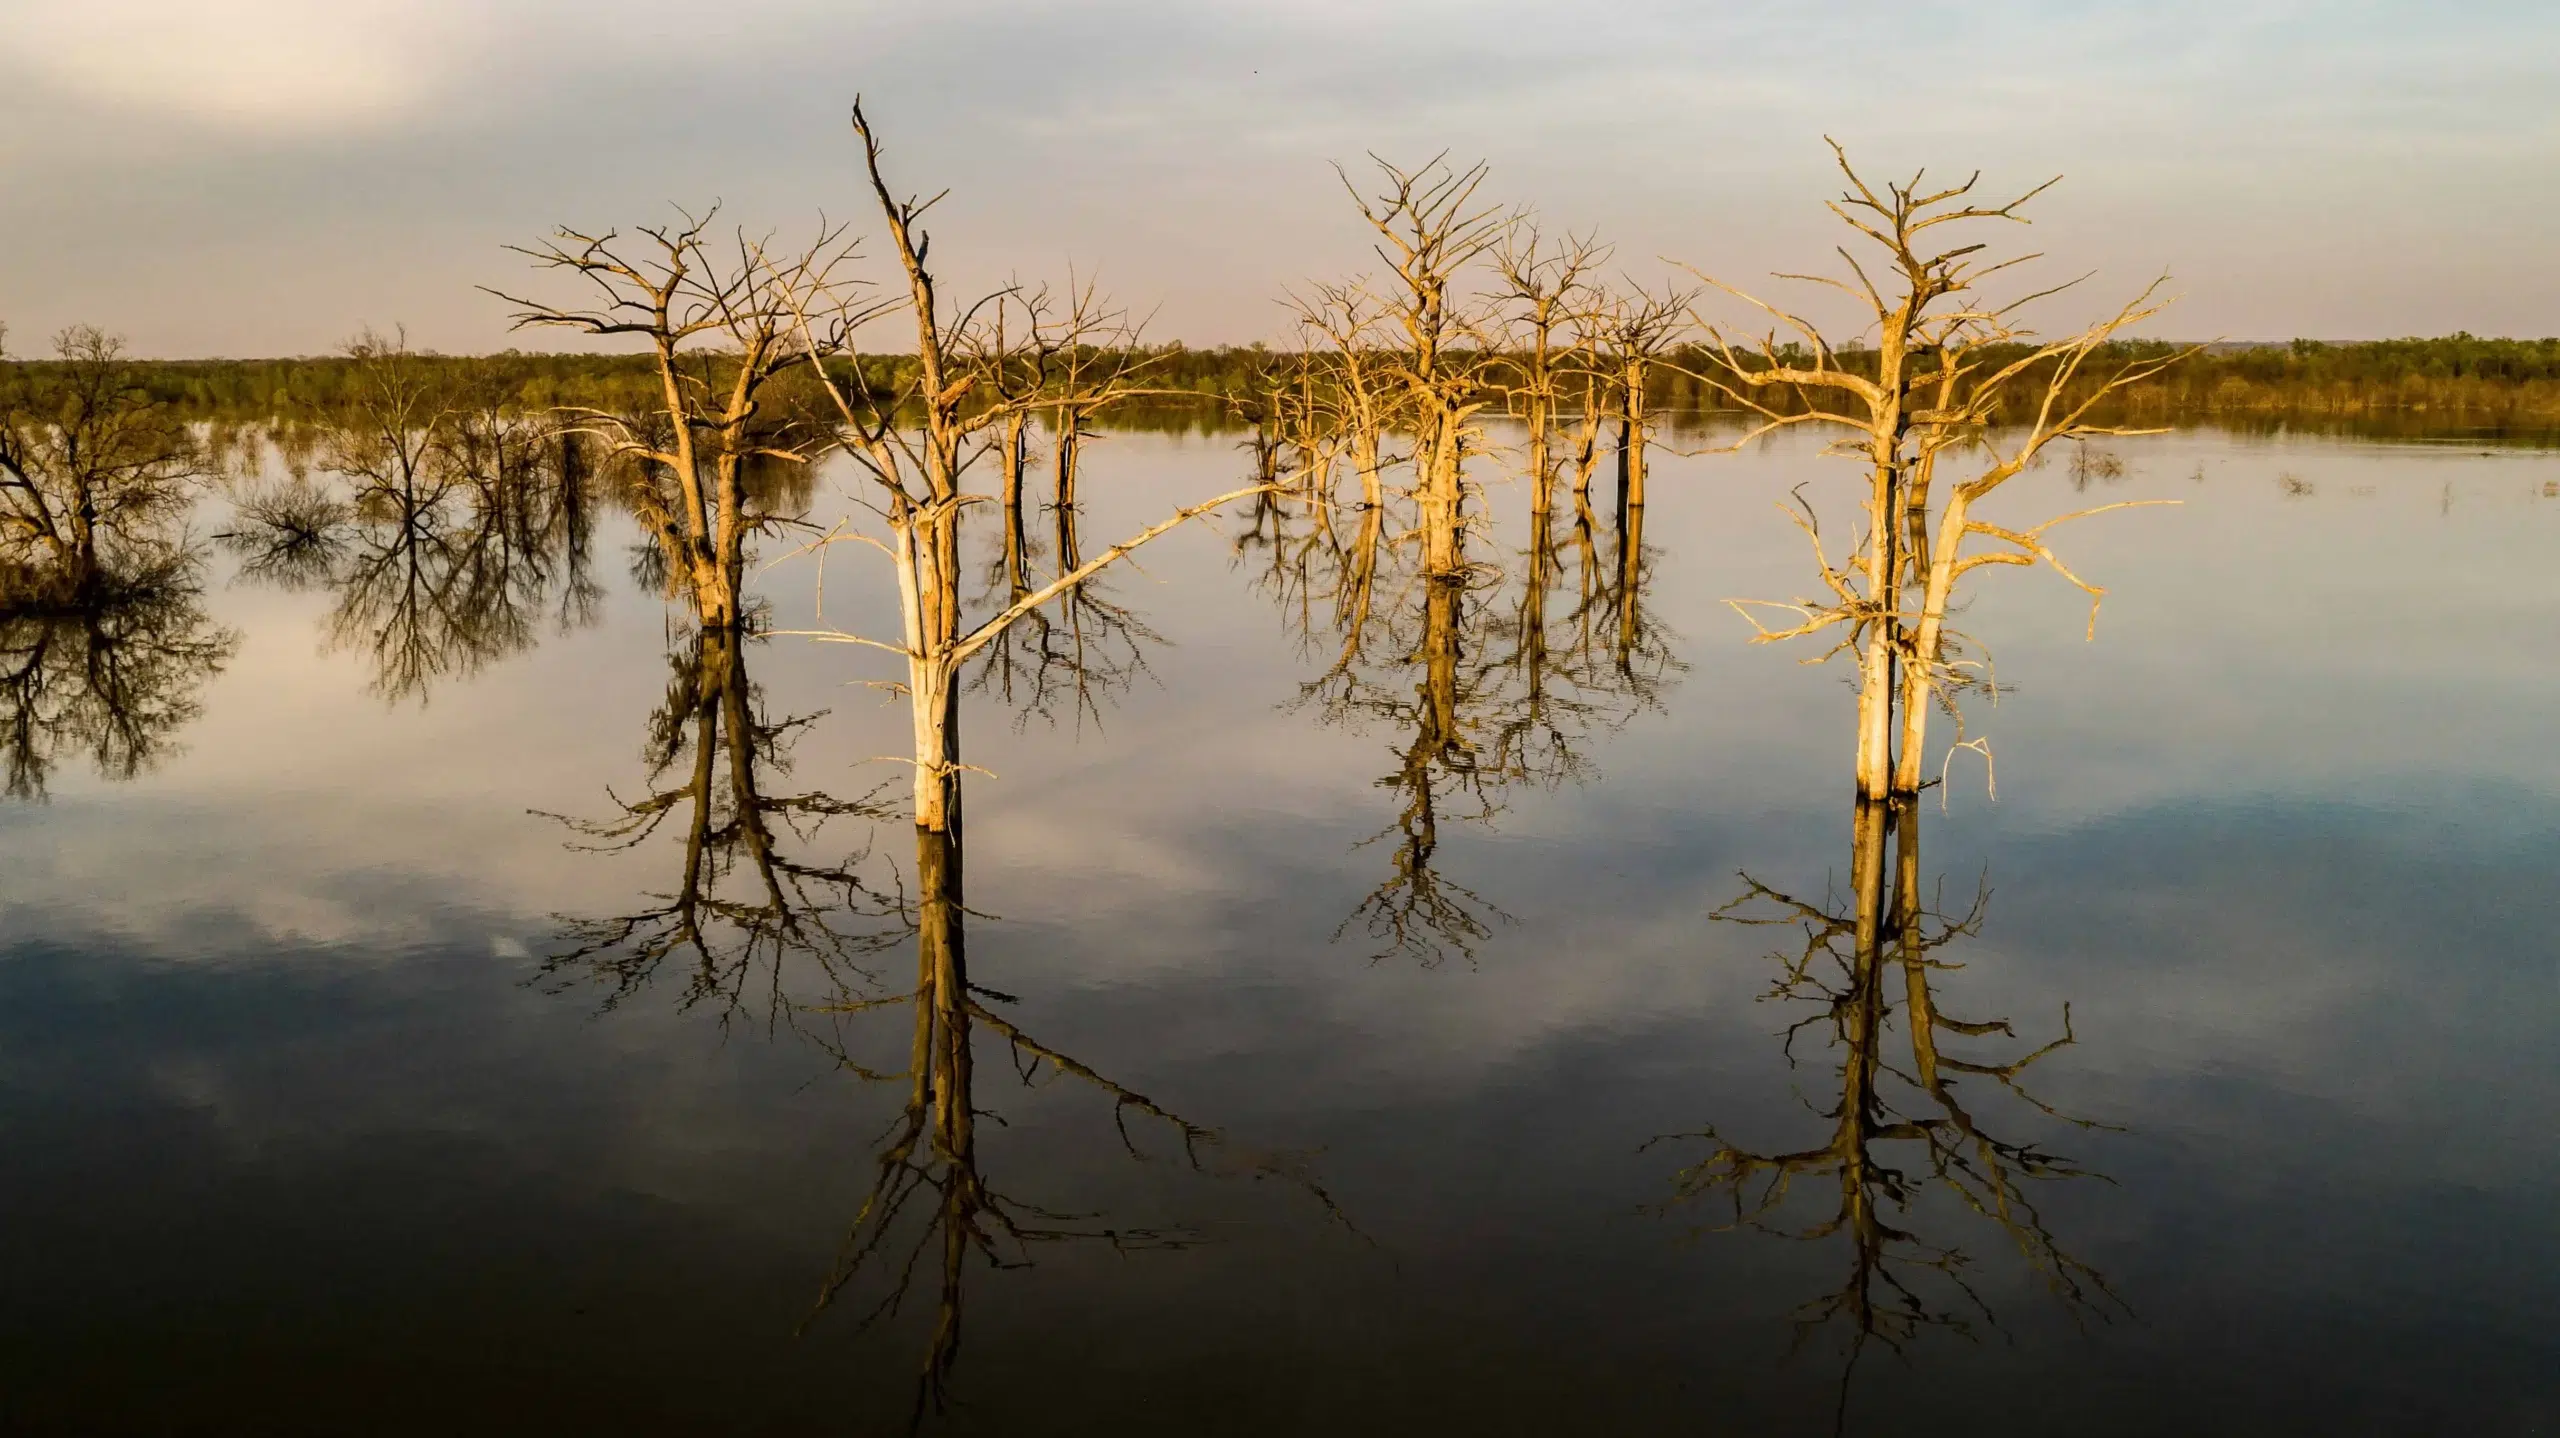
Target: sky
[{"x": 261, "y": 177}]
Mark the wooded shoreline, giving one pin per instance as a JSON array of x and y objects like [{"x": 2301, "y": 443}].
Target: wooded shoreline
[{"x": 2402, "y": 386}]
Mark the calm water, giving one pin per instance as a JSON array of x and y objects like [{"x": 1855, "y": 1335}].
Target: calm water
[{"x": 304, "y": 1133}]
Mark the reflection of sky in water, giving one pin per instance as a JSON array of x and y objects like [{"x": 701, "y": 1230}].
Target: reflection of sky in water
[{"x": 286, "y": 1118}]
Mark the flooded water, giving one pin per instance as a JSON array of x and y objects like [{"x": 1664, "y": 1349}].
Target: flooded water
[{"x": 1352, "y": 1048}]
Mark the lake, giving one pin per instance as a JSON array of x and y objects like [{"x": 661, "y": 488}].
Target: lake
[{"x": 1354, "y": 1049}]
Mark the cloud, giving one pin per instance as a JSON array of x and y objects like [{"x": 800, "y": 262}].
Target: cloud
[{"x": 262, "y": 66}]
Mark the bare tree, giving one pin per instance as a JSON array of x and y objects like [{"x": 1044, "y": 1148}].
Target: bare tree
[
  {"x": 1087, "y": 358},
  {"x": 393, "y": 440},
  {"x": 1429, "y": 231},
  {"x": 915, "y": 447},
  {"x": 1637, "y": 327},
  {"x": 1949, "y": 363},
  {"x": 719, "y": 322},
  {"x": 1353, "y": 395},
  {"x": 87, "y": 460},
  {"x": 1552, "y": 298}
]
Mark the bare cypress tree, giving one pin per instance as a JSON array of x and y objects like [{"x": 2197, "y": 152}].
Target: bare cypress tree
[
  {"x": 1552, "y": 298},
  {"x": 1339, "y": 325},
  {"x": 915, "y": 445},
  {"x": 1429, "y": 231},
  {"x": 1956, "y": 376},
  {"x": 719, "y": 325}
]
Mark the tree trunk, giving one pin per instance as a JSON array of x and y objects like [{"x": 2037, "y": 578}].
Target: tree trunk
[{"x": 1442, "y": 496}]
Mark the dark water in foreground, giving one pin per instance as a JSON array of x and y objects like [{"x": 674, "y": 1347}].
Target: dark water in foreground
[{"x": 297, "y": 1134}]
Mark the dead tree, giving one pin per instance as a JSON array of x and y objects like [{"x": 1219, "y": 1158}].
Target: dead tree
[
  {"x": 1549, "y": 290},
  {"x": 1949, "y": 362},
  {"x": 1637, "y": 327},
  {"x": 1585, "y": 370},
  {"x": 1017, "y": 367},
  {"x": 1339, "y": 323},
  {"x": 1429, "y": 231},
  {"x": 392, "y": 440},
  {"x": 719, "y": 323},
  {"x": 914, "y": 447},
  {"x": 1088, "y": 358}
]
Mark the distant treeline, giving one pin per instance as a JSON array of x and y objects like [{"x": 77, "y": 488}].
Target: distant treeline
[{"x": 2456, "y": 381}]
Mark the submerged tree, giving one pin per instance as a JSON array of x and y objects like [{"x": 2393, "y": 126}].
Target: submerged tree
[
  {"x": 1553, "y": 303},
  {"x": 1353, "y": 396},
  {"x": 915, "y": 445},
  {"x": 1482, "y": 686},
  {"x": 105, "y": 646},
  {"x": 1636, "y": 329},
  {"x": 719, "y": 322},
  {"x": 92, "y": 469},
  {"x": 1956, "y": 379},
  {"x": 1429, "y": 230}
]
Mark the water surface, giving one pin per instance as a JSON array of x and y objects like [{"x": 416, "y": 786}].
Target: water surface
[{"x": 317, "y": 1119}]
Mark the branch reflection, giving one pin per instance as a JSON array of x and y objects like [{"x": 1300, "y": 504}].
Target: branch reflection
[
  {"x": 754, "y": 928},
  {"x": 445, "y": 550},
  {"x": 111, "y": 670},
  {"x": 1907, "y": 1146},
  {"x": 1491, "y": 674},
  {"x": 742, "y": 905}
]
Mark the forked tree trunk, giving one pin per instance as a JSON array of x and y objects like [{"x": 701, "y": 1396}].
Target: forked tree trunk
[
  {"x": 1533, "y": 595},
  {"x": 1541, "y": 464}
]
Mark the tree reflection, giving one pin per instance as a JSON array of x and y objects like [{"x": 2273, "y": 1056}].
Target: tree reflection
[
  {"x": 1904, "y": 1143},
  {"x": 1491, "y": 675},
  {"x": 1073, "y": 657},
  {"x": 112, "y": 671},
  {"x": 742, "y": 906},
  {"x": 442, "y": 554},
  {"x": 755, "y": 927},
  {"x": 931, "y": 1211}
]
